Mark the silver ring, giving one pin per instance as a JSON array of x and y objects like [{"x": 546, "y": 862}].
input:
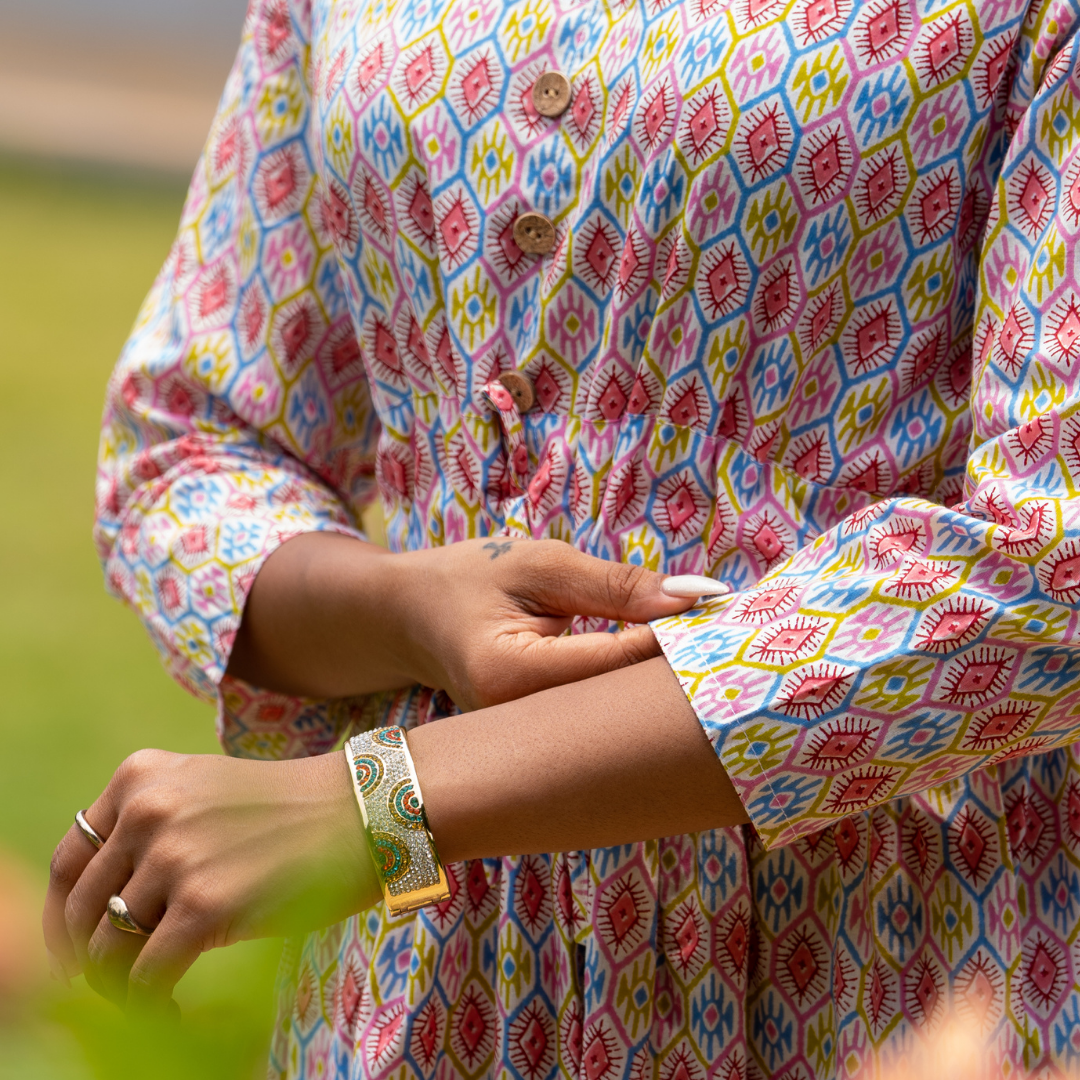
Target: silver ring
[
  {"x": 122, "y": 919},
  {"x": 88, "y": 830}
]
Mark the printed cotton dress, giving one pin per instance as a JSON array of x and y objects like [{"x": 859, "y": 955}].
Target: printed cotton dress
[{"x": 808, "y": 320}]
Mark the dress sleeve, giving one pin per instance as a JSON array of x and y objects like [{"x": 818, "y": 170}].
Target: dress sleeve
[
  {"x": 914, "y": 643},
  {"x": 238, "y": 414}
]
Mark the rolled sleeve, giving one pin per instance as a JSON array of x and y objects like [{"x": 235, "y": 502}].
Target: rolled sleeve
[
  {"x": 914, "y": 643},
  {"x": 238, "y": 415}
]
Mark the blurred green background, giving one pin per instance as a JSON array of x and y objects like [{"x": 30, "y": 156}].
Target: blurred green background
[{"x": 81, "y": 683}]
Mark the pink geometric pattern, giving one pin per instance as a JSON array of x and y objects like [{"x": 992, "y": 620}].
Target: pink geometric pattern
[{"x": 809, "y": 326}]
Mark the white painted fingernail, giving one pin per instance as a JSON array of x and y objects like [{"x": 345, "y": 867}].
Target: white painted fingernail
[{"x": 684, "y": 585}]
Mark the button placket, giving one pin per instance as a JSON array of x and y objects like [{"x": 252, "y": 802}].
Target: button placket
[
  {"x": 512, "y": 393},
  {"x": 534, "y": 233},
  {"x": 504, "y": 393}
]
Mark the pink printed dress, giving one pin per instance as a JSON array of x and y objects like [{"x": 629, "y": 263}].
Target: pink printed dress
[{"x": 810, "y": 323}]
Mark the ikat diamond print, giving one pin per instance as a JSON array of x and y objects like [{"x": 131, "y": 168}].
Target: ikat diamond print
[{"x": 793, "y": 287}]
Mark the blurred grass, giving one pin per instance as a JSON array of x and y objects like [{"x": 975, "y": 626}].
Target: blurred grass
[{"x": 80, "y": 683}]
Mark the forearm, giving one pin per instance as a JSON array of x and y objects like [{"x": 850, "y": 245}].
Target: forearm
[
  {"x": 332, "y": 616},
  {"x": 613, "y": 759},
  {"x": 316, "y": 623}
]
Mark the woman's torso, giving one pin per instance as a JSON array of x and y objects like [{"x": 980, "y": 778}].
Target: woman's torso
[
  {"x": 757, "y": 315},
  {"x": 756, "y": 319}
]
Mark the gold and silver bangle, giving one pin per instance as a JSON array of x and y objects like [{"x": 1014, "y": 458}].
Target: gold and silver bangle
[{"x": 392, "y": 807}]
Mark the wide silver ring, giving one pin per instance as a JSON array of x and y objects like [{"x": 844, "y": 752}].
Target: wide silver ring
[
  {"x": 88, "y": 830},
  {"x": 122, "y": 919}
]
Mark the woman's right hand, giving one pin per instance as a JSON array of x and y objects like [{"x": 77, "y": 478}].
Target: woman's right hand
[
  {"x": 484, "y": 618},
  {"x": 330, "y": 616}
]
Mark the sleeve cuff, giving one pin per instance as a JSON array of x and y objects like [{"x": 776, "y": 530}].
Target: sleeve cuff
[
  {"x": 186, "y": 564},
  {"x": 726, "y": 697},
  {"x": 256, "y": 723}
]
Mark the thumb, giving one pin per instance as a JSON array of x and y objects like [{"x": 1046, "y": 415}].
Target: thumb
[{"x": 574, "y": 583}]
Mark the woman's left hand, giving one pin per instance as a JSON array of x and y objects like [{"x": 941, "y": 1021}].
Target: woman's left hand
[{"x": 205, "y": 851}]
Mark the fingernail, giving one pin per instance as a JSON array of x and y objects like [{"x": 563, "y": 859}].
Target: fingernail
[
  {"x": 57, "y": 969},
  {"x": 690, "y": 585}
]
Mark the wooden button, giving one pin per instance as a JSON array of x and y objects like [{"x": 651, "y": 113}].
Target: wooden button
[
  {"x": 520, "y": 388},
  {"x": 534, "y": 233},
  {"x": 551, "y": 94}
]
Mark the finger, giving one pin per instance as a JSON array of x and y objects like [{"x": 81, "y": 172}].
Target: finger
[
  {"x": 170, "y": 950},
  {"x": 569, "y": 582},
  {"x": 110, "y": 954},
  {"x": 107, "y": 873},
  {"x": 68, "y": 862},
  {"x": 111, "y": 951},
  {"x": 103, "y": 812},
  {"x": 550, "y": 661},
  {"x": 72, "y": 856}
]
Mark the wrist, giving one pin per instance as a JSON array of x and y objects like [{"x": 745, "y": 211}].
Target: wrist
[
  {"x": 330, "y": 786},
  {"x": 319, "y": 621},
  {"x": 368, "y": 609},
  {"x": 391, "y": 805},
  {"x": 408, "y": 595}
]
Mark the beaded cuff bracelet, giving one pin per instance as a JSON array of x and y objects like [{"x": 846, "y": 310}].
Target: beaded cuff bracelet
[{"x": 394, "y": 820}]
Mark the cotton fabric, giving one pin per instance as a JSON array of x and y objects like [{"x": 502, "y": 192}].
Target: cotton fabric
[{"x": 810, "y": 326}]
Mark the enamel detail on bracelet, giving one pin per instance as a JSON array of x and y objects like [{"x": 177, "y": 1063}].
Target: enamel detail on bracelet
[{"x": 392, "y": 807}]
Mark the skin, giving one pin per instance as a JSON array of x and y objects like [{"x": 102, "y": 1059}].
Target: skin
[
  {"x": 329, "y": 616},
  {"x": 567, "y": 743}
]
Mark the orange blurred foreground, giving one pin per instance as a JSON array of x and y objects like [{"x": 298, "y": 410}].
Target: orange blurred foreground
[{"x": 23, "y": 965}]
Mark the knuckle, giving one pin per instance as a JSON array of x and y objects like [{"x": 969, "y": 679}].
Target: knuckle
[
  {"x": 638, "y": 649},
  {"x": 147, "y": 809},
  {"x": 169, "y": 861},
  {"x": 141, "y": 978},
  {"x": 623, "y": 580},
  {"x": 61, "y": 875},
  {"x": 137, "y": 767},
  {"x": 130, "y": 770}
]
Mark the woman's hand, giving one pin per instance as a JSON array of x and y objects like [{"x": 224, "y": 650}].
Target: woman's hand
[
  {"x": 206, "y": 851},
  {"x": 483, "y": 618},
  {"x": 329, "y": 616},
  {"x": 209, "y": 850}
]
